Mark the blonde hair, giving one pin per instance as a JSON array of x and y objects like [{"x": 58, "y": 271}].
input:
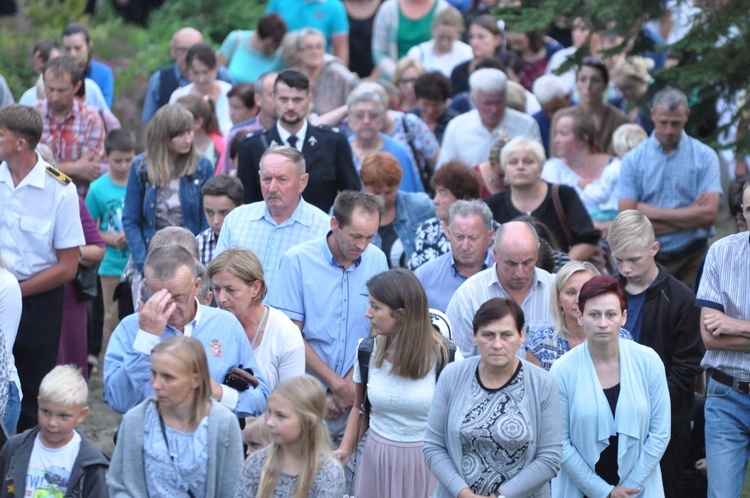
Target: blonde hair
[
  {"x": 496, "y": 150},
  {"x": 168, "y": 122},
  {"x": 627, "y": 137},
  {"x": 634, "y": 67},
  {"x": 562, "y": 277},
  {"x": 630, "y": 228},
  {"x": 419, "y": 345},
  {"x": 403, "y": 64},
  {"x": 64, "y": 385},
  {"x": 523, "y": 144},
  {"x": 193, "y": 358},
  {"x": 515, "y": 96},
  {"x": 450, "y": 17},
  {"x": 243, "y": 264},
  {"x": 308, "y": 400}
]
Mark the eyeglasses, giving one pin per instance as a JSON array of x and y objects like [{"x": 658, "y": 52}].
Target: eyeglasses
[
  {"x": 404, "y": 81},
  {"x": 309, "y": 48},
  {"x": 360, "y": 115}
]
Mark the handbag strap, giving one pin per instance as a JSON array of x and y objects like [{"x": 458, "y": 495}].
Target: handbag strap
[{"x": 561, "y": 214}]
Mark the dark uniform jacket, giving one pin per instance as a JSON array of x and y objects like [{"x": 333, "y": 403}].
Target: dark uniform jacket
[{"x": 328, "y": 159}]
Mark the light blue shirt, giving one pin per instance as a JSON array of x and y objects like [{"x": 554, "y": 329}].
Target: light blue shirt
[
  {"x": 330, "y": 301},
  {"x": 329, "y": 16},
  {"x": 251, "y": 226},
  {"x": 441, "y": 279},
  {"x": 671, "y": 180},
  {"x": 127, "y": 363}
]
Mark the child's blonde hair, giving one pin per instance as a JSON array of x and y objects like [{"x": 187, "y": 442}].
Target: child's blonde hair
[
  {"x": 308, "y": 399},
  {"x": 64, "y": 385},
  {"x": 630, "y": 229}
]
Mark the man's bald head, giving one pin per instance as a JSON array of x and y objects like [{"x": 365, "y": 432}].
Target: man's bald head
[
  {"x": 182, "y": 40},
  {"x": 516, "y": 251}
]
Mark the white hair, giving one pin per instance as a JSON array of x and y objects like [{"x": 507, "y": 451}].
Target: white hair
[
  {"x": 488, "y": 80},
  {"x": 548, "y": 88}
]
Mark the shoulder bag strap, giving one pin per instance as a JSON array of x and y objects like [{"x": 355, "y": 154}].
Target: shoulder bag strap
[{"x": 561, "y": 214}]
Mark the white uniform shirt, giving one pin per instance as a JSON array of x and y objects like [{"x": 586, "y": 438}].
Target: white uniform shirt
[{"x": 37, "y": 217}]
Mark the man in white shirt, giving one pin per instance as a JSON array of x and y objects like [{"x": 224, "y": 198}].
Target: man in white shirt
[
  {"x": 470, "y": 136},
  {"x": 513, "y": 276}
]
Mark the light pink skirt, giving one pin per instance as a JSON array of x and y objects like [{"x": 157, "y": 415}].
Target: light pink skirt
[{"x": 393, "y": 469}]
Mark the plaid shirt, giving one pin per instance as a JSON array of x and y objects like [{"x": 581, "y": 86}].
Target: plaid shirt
[
  {"x": 206, "y": 243},
  {"x": 79, "y": 132}
]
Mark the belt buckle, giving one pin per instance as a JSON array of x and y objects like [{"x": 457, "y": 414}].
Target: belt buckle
[{"x": 741, "y": 386}]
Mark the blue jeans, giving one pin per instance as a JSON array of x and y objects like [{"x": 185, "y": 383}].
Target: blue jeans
[
  {"x": 12, "y": 409},
  {"x": 727, "y": 439}
]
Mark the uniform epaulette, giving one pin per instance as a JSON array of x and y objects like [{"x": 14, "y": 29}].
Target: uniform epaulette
[
  {"x": 334, "y": 129},
  {"x": 254, "y": 134},
  {"x": 58, "y": 175}
]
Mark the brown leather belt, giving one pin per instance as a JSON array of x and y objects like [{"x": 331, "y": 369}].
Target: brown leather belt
[{"x": 742, "y": 386}]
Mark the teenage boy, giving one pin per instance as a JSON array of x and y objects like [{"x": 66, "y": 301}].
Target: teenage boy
[
  {"x": 221, "y": 194},
  {"x": 104, "y": 201},
  {"x": 53, "y": 459},
  {"x": 662, "y": 315}
]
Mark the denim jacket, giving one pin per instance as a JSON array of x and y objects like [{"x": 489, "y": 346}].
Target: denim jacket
[
  {"x": 139, "y": 212},
  {"x": 411, "y": 210}
]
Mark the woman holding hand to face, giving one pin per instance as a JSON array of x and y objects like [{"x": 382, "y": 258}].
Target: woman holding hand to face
[
  {"x": 615, "y": 405},
  {"x": 494, "y": 425}
]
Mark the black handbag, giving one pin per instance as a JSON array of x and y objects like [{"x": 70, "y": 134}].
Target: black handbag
[{"x": 85, "y": 282}]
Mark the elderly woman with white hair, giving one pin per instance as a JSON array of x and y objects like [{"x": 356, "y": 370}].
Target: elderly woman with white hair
[
  {"x": 557, "y": 206},
  {"x": 330, "y": 80},
  {"x": 367, "y": 113},
  {"x": 547, "y": 345}
]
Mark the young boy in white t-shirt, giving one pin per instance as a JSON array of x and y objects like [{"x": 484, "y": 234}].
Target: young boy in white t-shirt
[{"x": 53, "y": 459}]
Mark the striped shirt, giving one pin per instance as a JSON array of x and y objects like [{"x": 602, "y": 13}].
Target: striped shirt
[
  {"x": 671, "y": 180},
  {"x": 251, "y": 226},
  {"x": 484, "y": 286},
  {"x": 725, "y": 286}
]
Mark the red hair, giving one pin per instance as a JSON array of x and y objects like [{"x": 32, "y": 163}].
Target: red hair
[
  {"x": 599, "y": 286},
  {"x": 381, "y": 170}
]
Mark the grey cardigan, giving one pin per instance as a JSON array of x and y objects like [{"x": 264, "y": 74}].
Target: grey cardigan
[
  {"x": 540, "y": 407},
  {"x": 127, "y": 479}
]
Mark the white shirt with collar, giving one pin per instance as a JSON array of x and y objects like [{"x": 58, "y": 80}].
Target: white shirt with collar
[
  {"x": 484, "y": 286},
  {"x": 37, "y": 218},
  {"x": 284, "y": 135},
  {"x": 467, "y": 139}
]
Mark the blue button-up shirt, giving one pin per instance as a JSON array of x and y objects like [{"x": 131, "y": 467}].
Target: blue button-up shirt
[
  {"x": 440, "y": 279},
  {"x": 329, "y": 300},
  {"x": 671, "y": 180},
  {"x": 127, "y": 365},
  {"x": 251, "y": 226}
]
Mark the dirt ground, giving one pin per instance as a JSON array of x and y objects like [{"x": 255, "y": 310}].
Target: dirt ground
[{"x": 102, "y": 421}]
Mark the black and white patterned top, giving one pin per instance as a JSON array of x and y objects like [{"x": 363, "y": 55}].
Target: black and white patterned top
[
  {"x": 494, "y": 435},
  {"x": 429, "y": 243},
  {"x": 329, "y": 483}
]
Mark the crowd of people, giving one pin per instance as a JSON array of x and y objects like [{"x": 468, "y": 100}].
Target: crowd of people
[{"x": 375, "y": 250}]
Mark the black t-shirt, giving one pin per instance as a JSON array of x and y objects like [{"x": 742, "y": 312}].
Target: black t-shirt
[{"x": 360, "y": 46}]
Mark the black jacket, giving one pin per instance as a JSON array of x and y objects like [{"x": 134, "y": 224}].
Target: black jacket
[
  {"x": 670, "y": 325},
  {"x": 87, "y": 479},
  {"x": 328, "y": 159}
]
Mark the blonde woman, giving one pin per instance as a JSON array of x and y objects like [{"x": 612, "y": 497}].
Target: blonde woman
[
  {"x": 445, "y": 50},
  {"x": 180, "y": 442},
  {"x": 402, "y": 373},
  {"x": 164, "y": 187},
  {"x": 547, "y": 345},
  {"x": 407, "y": 72},
  {"x": 237, "y": 279},
  {"x": 298, "y": 463},
  {"x": 631, "y": 77}
]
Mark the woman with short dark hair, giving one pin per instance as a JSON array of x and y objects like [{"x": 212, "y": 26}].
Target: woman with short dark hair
[{"x": 494, "y": 426}]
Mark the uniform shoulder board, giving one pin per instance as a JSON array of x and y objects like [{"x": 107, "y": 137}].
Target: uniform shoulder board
[
  {"x": 58, "y": 175},
  {"x": 255, "y": 133},
  {"x": 334, "y": 129}
]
